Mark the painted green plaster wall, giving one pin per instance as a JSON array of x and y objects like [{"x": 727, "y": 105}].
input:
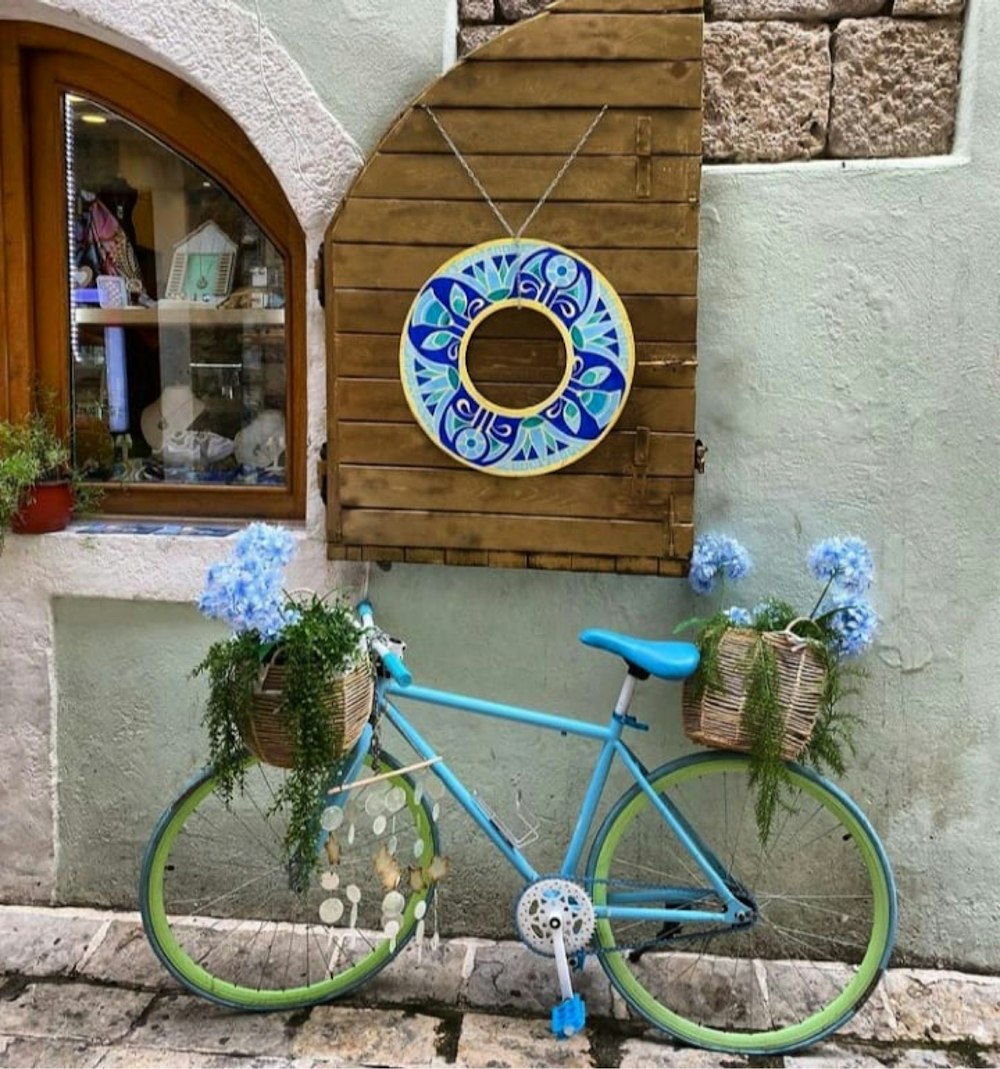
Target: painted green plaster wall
[
  {"x": 848, "y": 383},
  {"x": 366, "y": 58}
]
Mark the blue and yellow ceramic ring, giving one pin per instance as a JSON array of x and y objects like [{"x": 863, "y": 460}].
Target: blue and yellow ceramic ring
[{"x": 600, "y": 357}]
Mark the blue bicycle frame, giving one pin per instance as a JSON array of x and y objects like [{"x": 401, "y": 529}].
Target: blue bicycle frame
[{"x": 620, "y": 905}]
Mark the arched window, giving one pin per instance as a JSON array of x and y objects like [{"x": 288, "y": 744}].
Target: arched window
[{"x": 152, "y": 279}]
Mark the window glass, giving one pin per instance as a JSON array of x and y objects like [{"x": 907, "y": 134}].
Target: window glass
[{"x": 177, "y": 331}]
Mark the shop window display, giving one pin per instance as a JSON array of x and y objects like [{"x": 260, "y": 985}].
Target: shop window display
[{"x": 177, "y": 305}]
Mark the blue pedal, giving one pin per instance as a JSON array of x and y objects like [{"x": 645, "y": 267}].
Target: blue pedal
[{"x": 569, "y": 1017}]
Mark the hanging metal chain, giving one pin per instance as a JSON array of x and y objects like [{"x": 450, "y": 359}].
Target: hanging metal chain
[{"x": 474, "y": 178}]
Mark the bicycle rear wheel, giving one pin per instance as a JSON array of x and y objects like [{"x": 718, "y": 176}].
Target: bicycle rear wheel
[
  {"x": 232, "y": 922},
  {"x": 822, "y": 892}
]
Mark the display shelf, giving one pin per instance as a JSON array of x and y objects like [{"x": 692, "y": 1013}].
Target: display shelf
[{"x": 192, "y": 316}]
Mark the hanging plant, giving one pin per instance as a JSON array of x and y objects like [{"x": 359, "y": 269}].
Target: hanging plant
[
  {"x": 292, "y": 684},
  {"x": 771, "y": 678}
]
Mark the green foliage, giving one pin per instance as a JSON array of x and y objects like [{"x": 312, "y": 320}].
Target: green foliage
[
  {"x": 764, "y": 718},
  {"x": 321, "y": 643},
  {"x": 32, "y": 452}
]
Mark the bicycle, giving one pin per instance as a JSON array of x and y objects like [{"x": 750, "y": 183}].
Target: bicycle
[{"x": 711, "y": 938}]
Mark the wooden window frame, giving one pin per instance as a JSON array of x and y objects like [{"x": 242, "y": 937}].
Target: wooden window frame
[{"x": 37, "y": 64}]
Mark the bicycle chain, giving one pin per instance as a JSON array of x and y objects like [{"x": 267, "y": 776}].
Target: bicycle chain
[{"x": 651, "y": 944}]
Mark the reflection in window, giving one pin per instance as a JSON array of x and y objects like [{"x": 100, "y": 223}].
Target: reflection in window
[{"x": 177, "y": 315}]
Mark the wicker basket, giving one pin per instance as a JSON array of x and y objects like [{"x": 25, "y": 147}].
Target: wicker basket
[
  {"x": 349, "y": 703},
  {"x": 715, "y": 718}
]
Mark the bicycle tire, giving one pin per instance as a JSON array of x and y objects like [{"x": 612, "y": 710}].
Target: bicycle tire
[
  {"x": 180, "y": 869},
  {"x": 749, "y": 994}
]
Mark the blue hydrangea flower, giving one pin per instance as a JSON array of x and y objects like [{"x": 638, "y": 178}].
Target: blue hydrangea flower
[
  {"x": 852, "y": 625},
  {"x": 714, "y": 557},
  {"x": 846, "y": 562},
  {"x": 246, "y": 590},
  {"x": 739, "y": 617}
]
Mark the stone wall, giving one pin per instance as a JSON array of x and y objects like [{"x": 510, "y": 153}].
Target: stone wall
[{"x": 803, "y": 79}]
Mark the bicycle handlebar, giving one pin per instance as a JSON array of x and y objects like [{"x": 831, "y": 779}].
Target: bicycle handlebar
[{"x": 391, "y": 661}]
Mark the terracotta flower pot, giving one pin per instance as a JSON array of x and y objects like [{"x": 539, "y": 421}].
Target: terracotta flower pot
[{"x": 45, "y": 507}]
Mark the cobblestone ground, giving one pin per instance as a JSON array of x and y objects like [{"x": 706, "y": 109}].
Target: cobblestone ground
[{"x": 82, "y": 988}]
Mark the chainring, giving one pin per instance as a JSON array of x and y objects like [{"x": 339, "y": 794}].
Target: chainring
[{"x": 543, "y": 898}]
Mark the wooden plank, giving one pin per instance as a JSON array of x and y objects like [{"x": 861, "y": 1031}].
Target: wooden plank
[
  {"x": 467, "y": 557},
  {"x": 16, "y": 298},
  {"x": 682, "y": 537},
  {"x": 635, "y": 6},
  {"x": 675, "y": 568},
  {"x": 369, "y": 311},
  {"x": 468, "y": 222},
  {"x": 637, "y": 565},
  {"x": 558, "y": 494},
  {"x": 524, "y": 533},
  {"x": 371, "y": 400},
  {"x": 418, "y": 555},
  {"x": 683, "y": 511},
  {"x": 593, "y": 564},
  {"x": 539, "y": 131},
  {"x": 601, "y": 36},
  {"x": 551, "y": 562},
  {"x": 631, "y": 271},
  {"x": 503, "y": 559},
  {"x": 592, "y": 178},
  {"x": 585, "y": 83},
  {"x": 383, "y": 554},
  {"x": 376, "y": 356},
  {"x": 405, "y": 444}
]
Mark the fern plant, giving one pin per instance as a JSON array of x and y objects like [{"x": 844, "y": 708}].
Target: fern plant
[
  {"x": 839, "y": 628},
  {"x": 315, "y": 640}
]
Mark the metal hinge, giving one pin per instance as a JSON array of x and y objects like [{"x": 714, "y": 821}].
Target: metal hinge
[
  {"x": 700, "y": 453},
  {"x": 321, "y": 275},
  {"x": 321, "y": 470}
]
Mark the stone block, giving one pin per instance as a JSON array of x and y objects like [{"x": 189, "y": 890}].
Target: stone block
[
  {"x": 45, "y": 942},
  {"x": 514, "y": 1042},
  {"x": 351, "y": 1037},
  {"x": 476, "y": 11},
  {"x": 508, "y": 976},
  {"x": 184, "y": 1023},
  {"x": 767, "y": 90},
  {"x": 514, "y": 10},
  {"x": 72, "y": 1012},
  {"x": 645, "y": 1054},
  {"x": 811, "y": 10},
  {"x": 418, "y": 975},
  {"x": 20, "y": 1051},
  {"x": 928, "y": 8},
  {"x": 922, "y": 1058},
  {"x": 944, "y": 1007},
  {"x": 830, "y": 1056},
  {"x": 124, "y": 956},
  {"x": 471, "y": 37},
  {"x": 895, "y": 87}
]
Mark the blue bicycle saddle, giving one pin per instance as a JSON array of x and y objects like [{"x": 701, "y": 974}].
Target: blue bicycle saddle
[{"x": 668, "y": 660}]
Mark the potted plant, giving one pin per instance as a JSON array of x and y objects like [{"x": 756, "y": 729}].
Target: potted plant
[
  {"x": 771, "y": 678},
  {"x": 291, "y": 686},
  {"x": 39, "y": 486}
]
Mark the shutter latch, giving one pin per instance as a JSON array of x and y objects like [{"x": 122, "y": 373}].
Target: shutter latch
[{"x": 700, "y": 453}]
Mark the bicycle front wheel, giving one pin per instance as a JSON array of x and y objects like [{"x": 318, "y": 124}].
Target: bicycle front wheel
[
  {"x": 821, "y": 895},
  {"x": 235, "y": 923}
]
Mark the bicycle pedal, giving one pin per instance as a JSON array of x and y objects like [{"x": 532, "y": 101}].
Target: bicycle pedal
[{"x": 569, "y": 1017}]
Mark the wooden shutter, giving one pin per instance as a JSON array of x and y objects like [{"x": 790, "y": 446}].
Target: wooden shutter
[{"x": 516, "y": 107}]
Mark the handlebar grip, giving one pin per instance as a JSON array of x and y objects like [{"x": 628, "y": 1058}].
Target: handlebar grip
[
  {"x": 394, "y": 665},
  {"x": 367, "y": 612}
]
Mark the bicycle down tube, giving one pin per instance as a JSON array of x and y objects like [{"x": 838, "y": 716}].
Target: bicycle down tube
[{"x": 611, "y": 738}]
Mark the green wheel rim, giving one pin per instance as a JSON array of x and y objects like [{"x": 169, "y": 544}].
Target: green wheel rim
[
  {"x": 202, "y": 982},
  {"x": 787, "y": 1038}
]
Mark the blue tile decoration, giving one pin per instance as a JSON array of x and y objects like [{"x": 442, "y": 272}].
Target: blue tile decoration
[{"x": 204, "y": 530}]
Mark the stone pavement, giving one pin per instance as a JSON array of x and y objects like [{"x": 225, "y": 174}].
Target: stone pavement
[{"x": 81, "y": 988}]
